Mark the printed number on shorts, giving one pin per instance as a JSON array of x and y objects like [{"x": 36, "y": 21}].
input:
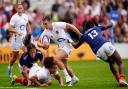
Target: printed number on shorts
[{"x": 93, "y": 34}]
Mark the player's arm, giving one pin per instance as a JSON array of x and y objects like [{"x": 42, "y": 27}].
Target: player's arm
[
  {"x": 59, "y": 78},
  {"x": 77, "y": 44},
  {"x": 39, "y": 44},
  {"x": 29, "y": 31},
  {"x": 73, "y": 28},
  {"x": 13, "y": 30},
  {"x": 105, "y": 27},
  {"x": 11, "y": 26},
  {"x": 35, "y": 80},
  {"x": 41, "y": 58},
  {"x": 25, "y": 72}
]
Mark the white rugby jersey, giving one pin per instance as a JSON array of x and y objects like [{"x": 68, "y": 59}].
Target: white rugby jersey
[
  {"x": 44, "y": 75},
  {"x": 19, "y": 22},
  {"x": 57, "y": 34}
]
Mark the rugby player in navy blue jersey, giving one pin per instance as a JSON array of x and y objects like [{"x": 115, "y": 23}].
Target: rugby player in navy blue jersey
[
  {"x": 103, "y": 49},
  {"x": 28, "y": 61}
]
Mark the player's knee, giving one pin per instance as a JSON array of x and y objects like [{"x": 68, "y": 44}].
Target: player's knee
[
  {"x": 120, "y": 62},
  {"x": 110, "y": 61}
]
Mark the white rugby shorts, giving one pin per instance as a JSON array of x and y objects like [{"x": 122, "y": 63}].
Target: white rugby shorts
[
  {"x": 17, "y": 42},
  {"x": 66, "y": 47},
  {"x": 106, "y": 50}
]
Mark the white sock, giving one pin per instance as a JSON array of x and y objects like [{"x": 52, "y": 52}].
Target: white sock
[
  {"x": 65, "y": 72},
  {"x": 74, "y": 77},
  {"x": 10, "y": 66}
]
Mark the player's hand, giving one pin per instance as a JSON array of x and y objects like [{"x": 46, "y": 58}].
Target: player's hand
[
  {"x": 45, "y": 47},
  {"x": 44, "y": 85},
  {"x": 62, "y": 85},
  {"x": 19, "y": 33},
  {"x": 29, "y": 83},
  {"x": 70, "y": 41}
]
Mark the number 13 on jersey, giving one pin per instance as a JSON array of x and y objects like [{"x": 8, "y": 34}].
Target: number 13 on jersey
[{"x": 92, "y": 34}]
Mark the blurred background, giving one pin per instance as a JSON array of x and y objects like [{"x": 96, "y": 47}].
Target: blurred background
[{"x": 71, "y": 11}]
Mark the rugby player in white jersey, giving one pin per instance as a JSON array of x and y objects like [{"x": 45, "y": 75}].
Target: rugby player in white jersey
[
  {"x": 32, "y": 73},
  {"x": 20, "y": 27},
  {"x": 56, "y": 31}
]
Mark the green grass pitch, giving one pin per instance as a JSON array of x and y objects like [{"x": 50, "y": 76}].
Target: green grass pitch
[{"x": 92, "y": 75}]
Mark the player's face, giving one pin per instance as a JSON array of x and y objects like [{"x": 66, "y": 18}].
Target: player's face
[
  {"x": 53, "y": 69},
  {"x": 20, "y": 9},
  {"x": 32, "y": 53},
  {"x": 47, "y": 24}
]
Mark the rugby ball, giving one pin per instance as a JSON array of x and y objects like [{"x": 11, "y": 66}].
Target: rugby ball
[{"x": 45, "y": 42}]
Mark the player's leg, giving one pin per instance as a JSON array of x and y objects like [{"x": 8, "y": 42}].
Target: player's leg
[
  {"x": 116, "y": 57},
  {"x": 68, "y": 68},
  {"x": 111, "y": 53},
  {"x": 113, "y": 68},
  {"x": 16, "y": 45},
  {"x": 107, "y": 53},
  {"x": 70, "y": 71},
  {"x": 15, "y": 55},
  {"x": 35, "y": 80},
  {"x": 60, "y": 55},
  {"x": 19, "y": 80}
]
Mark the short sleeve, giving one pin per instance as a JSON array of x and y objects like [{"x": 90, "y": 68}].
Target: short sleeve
[
  {"x": 81, "y": 38},
  {"x": 12, "y": 21},
  {"x": 22, "y": 62},
  {"x": 40, "y": 56},
  {"x": 60, "y": 25},
  {"x": 101, "y": 28}
]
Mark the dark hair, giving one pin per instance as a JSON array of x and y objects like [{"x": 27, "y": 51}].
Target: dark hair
[
  {"x": 27, "y": 40},
  {"x": 27, "y": 2},
  {"x": 94, "y": 21},
  {"x": 88, "y": 24},
  {"x": 48, "y": 18},
  {"x": 31, "y": 46},
  {"x": 49, "y": 62}
]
